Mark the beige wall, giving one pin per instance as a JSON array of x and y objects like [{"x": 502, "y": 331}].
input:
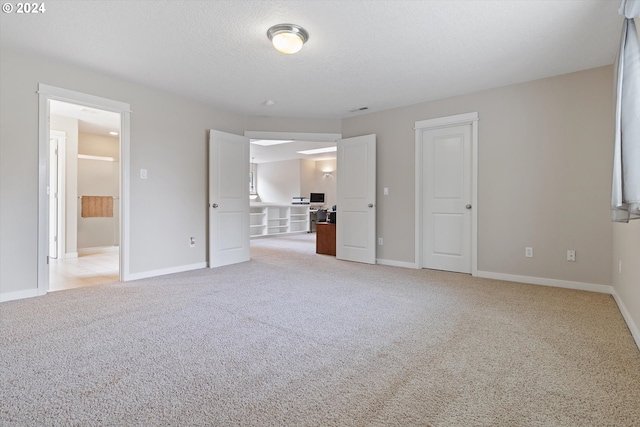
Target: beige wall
[
  {"x": 99, "y": 178},
  {"x": 168, "y": 137},
  {"x": 626, "y": 277},
  {"x": 545, "y": 150},
  {"x": 327, "y": 184},
  {"x": 307, "y": 177},
  {"x": 292, "y": 124},
  {"x": 99, "y": 145},
  {"x": 278, "y": 182}
]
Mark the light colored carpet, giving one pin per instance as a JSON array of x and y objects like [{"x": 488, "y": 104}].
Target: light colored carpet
[{"x": 292, "y": 338}]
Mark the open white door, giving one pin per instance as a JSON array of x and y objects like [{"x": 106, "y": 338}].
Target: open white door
[
  {"x": 228, "y": 199},
  {"x": 356, "y": 218}
]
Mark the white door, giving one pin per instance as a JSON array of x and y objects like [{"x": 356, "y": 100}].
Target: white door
[
  {"x": 356, "y": 205},
  {"x": 53, "y": 198},
  {"x": 446, "y": 186},
  {"x": 228, "y": 199}
]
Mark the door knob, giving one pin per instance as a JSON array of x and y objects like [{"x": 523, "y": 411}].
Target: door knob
[
  {"x": 468, "y": 206},
  {"x": 215, "y": 205},
  {"x": 370, "y": 205}
]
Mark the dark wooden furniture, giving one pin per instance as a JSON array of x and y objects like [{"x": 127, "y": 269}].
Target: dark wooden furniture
[{"x": 325, "y": 238}]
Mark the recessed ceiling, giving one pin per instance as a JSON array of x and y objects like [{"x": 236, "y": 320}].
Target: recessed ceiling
[
  {"x": 380, "y": 54},
  {"x": 90, "y": 120},
  {"x": 289, "y": 151}
]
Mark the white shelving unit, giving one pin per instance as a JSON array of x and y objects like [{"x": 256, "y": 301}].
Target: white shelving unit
[
  {"x": 268, "y": 219},
  {"x": 298, "y": 218},
  {"x": 257, "y": 221}
]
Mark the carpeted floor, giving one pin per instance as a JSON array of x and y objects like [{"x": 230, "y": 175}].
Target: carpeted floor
[{"x": 292, "y": 338}]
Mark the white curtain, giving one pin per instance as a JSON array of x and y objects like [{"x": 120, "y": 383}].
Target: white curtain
[{"x": 625, "y": 191}]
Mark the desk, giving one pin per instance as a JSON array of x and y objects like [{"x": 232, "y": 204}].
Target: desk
[
  {"x": 313, "y": 218},
  {"x": 326, "y": 238}
]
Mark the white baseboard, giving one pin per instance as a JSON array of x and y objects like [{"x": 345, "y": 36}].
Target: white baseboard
[
  {"x": 70, "y": 255},
  {"x": 635, "y": 331},
  {"x": 10, "y": 296},
  {"x": 393, "y": 263},
  {"x": 164, "y": 271},
  {"x": 592, "y": 287},
  {"x": 97, "y": 250}
]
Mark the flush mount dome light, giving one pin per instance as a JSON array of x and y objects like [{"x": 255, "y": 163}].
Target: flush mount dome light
[{"x": 287, "y": 38}]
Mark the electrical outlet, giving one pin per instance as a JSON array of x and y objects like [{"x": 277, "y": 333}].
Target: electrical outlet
[
  {"x": 192, "y": 242},
  {"x": 528, "y": 252},
  {"x": 386, "y": 191},
  {"x": 380, "y": 241},
  {"x": 571, "y": 255}
]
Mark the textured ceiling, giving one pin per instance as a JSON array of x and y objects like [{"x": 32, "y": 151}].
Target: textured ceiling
[{"x": 379, "y": 54}]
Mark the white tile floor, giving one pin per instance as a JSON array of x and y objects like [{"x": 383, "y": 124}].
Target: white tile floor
[{"x": 86, "y": 270}]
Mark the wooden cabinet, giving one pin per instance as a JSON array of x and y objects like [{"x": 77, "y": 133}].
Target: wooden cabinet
[{"x": 326, "y": 238}]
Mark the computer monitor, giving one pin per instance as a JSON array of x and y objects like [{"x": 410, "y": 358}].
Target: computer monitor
[{"x": 316, "y": 198}]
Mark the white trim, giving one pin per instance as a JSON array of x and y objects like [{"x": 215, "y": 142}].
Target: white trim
[
  {"x": 635, "y": 330},
  {"x": 456, "y": 120},
  {"x": 543, "y": 281},
  {"x": 394, "y": 263},
  {"x": 42, "y": 275},
  {"x": 11, "y": 296},
  {"x": 61, "y": 137},
  {"x": 165, "y": 271},
  {"x": 70, "y": 255},
  {"x": 125, "y": 194},
  {"x": 46, "y": 93},
  {"x": 85, "y": 99},
  {"x": 316, "y": 137}
]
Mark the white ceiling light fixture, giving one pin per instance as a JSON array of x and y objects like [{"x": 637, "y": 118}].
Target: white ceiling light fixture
[{"x": 287, "y": 38}]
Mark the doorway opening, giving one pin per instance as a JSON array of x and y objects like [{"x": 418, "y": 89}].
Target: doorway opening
[
  {"x": 84, "y": 196},
  {"x": 83, "y": 183},
  {"x": 286, "y": 168}
]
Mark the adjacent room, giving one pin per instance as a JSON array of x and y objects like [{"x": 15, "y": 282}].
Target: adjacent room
[
  {"x": 440, "y": 225},
  {"x": 84, "y": 223}
]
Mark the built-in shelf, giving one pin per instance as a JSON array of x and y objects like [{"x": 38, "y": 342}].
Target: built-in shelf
[{"x": 269, "y": 219}]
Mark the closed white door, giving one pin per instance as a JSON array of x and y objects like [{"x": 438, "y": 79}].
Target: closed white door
[
  {"x": 446, "y": 186},
  {"x": 228, "y": 199},
  {"x": 356, "y": 205}
]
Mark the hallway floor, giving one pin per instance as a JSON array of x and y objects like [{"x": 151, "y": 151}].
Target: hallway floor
[{"x": 86, "y": 270}]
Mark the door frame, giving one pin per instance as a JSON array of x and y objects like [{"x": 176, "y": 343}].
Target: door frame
[
  {"x": 443, "y": 122},
  {"x": 61, "y": 136},
  {"x": 46, "y": 93}
]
